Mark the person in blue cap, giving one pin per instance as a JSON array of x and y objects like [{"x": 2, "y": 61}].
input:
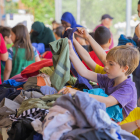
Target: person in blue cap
[{"x": 68, "y": 20}]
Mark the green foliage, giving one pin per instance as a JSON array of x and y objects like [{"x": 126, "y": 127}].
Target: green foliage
[
  {"x": 43, "y": 10},
  {"x": 11, "y": 7},
  {"x": 92, "y": 10}
]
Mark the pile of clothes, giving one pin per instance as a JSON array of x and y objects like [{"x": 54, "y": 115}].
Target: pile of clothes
[{"x": 32, "y": 109}]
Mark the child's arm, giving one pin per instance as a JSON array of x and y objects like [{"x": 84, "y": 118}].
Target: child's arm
[
  {"x": 80, "y": 67},
  {"x": 4, "y": 56},
  {"x": 130, "y": 127},
  {"x": 95, "y": 46},
  {"x": 8, "y": 69},
  {"x": 37, "y": 59},
  {"x": 84, "y": 55}
]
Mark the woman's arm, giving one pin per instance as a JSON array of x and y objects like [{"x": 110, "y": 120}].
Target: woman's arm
[
  {"x": 8, "y": 69},
  {"x": 130, "y": 127}
]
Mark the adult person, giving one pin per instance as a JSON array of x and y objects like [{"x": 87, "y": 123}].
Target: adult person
[
  {"x": 136, "y": 73},
  {"x": 41, "y": 34},
  {"x": 106, "y": 20},
  {"x": 68, "y": 20}
]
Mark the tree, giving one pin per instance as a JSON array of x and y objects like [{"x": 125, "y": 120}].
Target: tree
[{"x": 43, "y": 10}]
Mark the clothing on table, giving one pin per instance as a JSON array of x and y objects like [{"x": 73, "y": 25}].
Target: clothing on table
[
  {"x": 47, "y": 55},
  {"x": 31, "y": 94},
  {"x": 97, "y": 135},
  {"x": 112, "y": 42},
  {"x": 68, "y": 17},
  {"x": 123, "y": 40},
  {"x": 125, "y": 93},
  {"x": 47, "y": 90},
  {"x": 45, "y": 34},
  {"x": 99, "y": 69},
  {"x": 13, "y": 82},
  {"x": 43, "y": 80},
  {"x": 31, "y": 83},
  {"x": 47, "y": 70},
  {"x": 115, "y": 112},
  {"x": 9, "y": 93},
  {"x": 133, "y": 116},
  {"x": 5, "y": 121},
  {"x": 61, "y": 63},
  {"x": 33, "y": 113},
  {"x": 57, "y": 122},
  {"x": 2, "y": 51},
  {"x": 44, "y": 102},
  {"x": 39, "y": 47},
  {"x": 72, "y": 134},
  {"x": 37, "y": 137},
  {"x": 95, "y": 58},
  {"x": 80, "y": 80},
  {"x": 19, "y": 78},
  {"x": 33, "y": 69},
  {"x": 80, "y": 104},
  {"x": 8, "y": 107},
  {"x": 19, "y": 62},
  {"x": 20, "y": 130}
]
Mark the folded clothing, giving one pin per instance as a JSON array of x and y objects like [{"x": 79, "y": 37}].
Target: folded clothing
[
  {"x": 13, "y": 82},
  {"x": 19, "y": 78},
  {"x": 47, "y": 90},
  {"x": 115, "y": 112},
  {"x": 33, "y": 69}
]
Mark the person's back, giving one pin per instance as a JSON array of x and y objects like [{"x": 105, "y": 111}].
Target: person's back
[
  {"x": 103, "y": 37},
  {"x": 21, "y": 54}
]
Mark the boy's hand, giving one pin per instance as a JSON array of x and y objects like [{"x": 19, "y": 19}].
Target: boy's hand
[
  {"x": 137, "y": 30},
  {"x": 82, "y": 32},
  {"x": 70, "y": 47},
  {"x": 67, "y": 90}
]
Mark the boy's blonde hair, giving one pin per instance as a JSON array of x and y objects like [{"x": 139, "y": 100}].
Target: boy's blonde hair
[{"x": 125, "y": 56}]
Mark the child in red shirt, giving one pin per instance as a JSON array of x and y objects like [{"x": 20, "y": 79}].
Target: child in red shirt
[
  {"x": 3, "y": 53},
  {"x": 103, "y": 37}
]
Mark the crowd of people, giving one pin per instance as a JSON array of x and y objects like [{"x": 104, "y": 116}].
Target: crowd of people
[{"x": 69, "y": 84}]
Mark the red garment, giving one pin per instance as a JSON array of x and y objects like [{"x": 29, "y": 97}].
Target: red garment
[
  {"x": 95, "y": 58},
  {"x": 48, "y": 55},
  {"x": 33, "y": 69},
  {"x": 3, "y": 50}
]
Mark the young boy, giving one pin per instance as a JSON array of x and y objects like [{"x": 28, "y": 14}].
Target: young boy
[
  {"x": 6, "y": 33},
  {"x": 103, "y": 37},
  {"x": 121, "y": 62}
]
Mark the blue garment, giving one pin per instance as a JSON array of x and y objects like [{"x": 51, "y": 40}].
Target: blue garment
[
  {"x": 37, "y": 136},
  {"x": 13, "y": 82},
  {"x": 68, "y": 17},
  {"x": 80, "y": 79},
  {"x": 40, "y": 47},
  {"x": 47, "y": 90},
  {"x": 115, "y": 112},
  {"x": 123, "y": 40}
]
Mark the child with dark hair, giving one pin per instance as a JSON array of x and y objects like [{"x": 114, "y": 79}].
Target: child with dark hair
[
  {"x": 58, "y": 32},
  {"x": 6, "y": 33},
  {"x": 21, "y": 54},
  {"x": 102, "y": 36}
]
